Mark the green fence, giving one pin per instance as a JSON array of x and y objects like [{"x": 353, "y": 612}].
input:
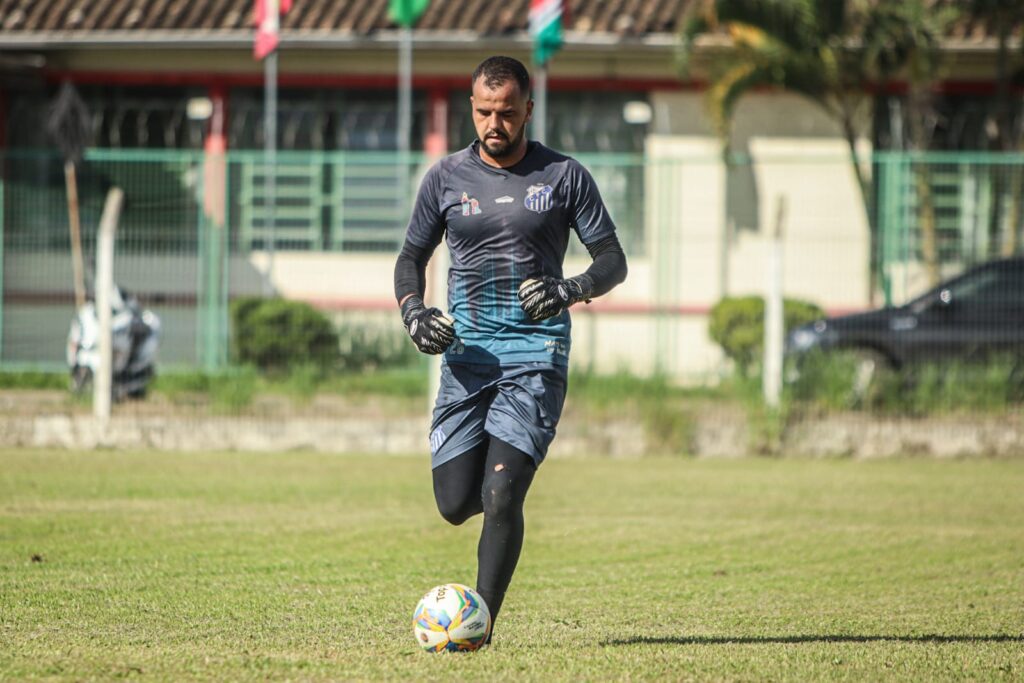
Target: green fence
[
  {"x": 162, "y": 235},
  {"x": 184, "y": 217},
  {"x": 942, "y": 212},
  {"x": 189, "y": 222}
]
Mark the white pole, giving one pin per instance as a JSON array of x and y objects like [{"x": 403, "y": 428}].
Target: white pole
[
  {"x": 270, "y": 147},
  {"x": 102, "y": 382},
  {"x": 540, "y": 108},
  {"x": 773, "y": 314}
]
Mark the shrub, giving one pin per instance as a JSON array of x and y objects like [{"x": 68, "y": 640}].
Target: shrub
[
  {"x": 737, "y": 325},
  {"x": 276, "y": 334}
]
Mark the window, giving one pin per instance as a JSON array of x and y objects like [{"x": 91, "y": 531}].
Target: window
[
  {"x": 999, "y": 285},
  {"x": 323, "y": 119}
]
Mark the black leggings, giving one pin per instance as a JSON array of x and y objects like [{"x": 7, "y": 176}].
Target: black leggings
[{"x": 492, "y": 478}]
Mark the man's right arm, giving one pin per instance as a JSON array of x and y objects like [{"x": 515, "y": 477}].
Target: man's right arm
[
  {"x": 431, "y": 330},
  {"x": 423, "y": 234},
  {"x": 411, "y": 271}
]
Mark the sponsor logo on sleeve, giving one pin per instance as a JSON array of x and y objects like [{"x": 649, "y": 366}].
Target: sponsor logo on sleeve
[
  {"x": 539, "y": 198},
  {"x": 470, "y": 206}
]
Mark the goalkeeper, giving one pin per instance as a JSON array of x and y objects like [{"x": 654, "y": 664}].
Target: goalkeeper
[{"x": 506, "y": 207}]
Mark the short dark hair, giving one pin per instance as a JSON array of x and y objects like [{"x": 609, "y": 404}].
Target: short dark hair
[{"x": 499, "y": 70}]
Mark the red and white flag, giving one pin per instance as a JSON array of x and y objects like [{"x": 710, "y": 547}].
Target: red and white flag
[{"x": 268, "y": 23}]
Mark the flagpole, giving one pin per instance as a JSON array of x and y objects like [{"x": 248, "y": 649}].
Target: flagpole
[
  {"x": 404, "y": 113},
  {"x": 270, "y": 149},
  {"x": 546, "y": 19},
  {"x": 540, "y": 113}
]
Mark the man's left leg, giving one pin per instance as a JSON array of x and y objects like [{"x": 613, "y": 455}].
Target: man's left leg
[
  {"x": 508, "y": 473},
  {"x": 520, "y": 424}
]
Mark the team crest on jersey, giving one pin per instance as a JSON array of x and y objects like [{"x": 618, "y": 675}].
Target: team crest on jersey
[
  {"x": 539, "y": 198},
  {"x": 470, "y": 206}
]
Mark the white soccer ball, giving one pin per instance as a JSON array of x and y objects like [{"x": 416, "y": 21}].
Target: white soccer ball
[{"x": 451, "y": 618}]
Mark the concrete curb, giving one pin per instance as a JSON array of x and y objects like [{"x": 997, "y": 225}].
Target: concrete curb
[{"x": 715, "y": 434}]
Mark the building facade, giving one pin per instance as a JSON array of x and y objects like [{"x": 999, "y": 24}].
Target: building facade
[{"x": 175, "y": 102}]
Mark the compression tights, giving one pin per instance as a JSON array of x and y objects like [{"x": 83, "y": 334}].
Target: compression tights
[{"x": 492, "y": 478}]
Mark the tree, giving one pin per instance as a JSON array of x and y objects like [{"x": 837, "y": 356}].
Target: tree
[
  {"x": 1002, "y": 16},
  {"x": 1005, "y": 16},
  {"x": 825, "y": 50},
  {"x": 902, "y": 40}
]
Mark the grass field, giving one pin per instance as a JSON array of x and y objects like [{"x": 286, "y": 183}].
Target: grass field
[{"x": 303, "y": 566}]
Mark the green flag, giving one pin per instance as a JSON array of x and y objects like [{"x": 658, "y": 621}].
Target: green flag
[
  {"x": 406, "y": 12},
  {"x": 547, "y": 20}
]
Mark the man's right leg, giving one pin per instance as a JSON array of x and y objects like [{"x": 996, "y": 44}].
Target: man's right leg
[
  {"x": 458, "y": 442},
  {"x": 457, "y": 485}
]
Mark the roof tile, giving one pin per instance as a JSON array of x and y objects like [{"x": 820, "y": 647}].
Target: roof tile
[{"x": 362, "y": 17}]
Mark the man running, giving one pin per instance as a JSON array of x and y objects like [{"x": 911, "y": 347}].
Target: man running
[{"x": 506, "y": 207}]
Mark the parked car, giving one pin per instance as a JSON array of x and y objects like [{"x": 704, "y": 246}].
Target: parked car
[{"x": 974, "y": 316}]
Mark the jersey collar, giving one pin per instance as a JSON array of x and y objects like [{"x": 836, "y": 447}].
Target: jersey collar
[{"x": 474, "y": 152}]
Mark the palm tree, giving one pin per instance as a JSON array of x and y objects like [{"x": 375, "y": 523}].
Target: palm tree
[
  {"x": 816, "y": 48},
  {"x": 902, "y": 40},
  {"x": 1004, "y": 16}
]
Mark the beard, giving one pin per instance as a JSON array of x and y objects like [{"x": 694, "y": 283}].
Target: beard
[{"x": 501, "y": 147}]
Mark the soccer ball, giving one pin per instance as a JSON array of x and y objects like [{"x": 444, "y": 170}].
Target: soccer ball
[{"x": 451, "y": 618}]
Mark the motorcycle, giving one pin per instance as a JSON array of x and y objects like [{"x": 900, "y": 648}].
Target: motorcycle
[{"x": 135, "y": 340}]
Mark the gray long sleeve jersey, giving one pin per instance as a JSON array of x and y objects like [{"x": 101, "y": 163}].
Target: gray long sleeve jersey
[{"x": 504, "y": 225}]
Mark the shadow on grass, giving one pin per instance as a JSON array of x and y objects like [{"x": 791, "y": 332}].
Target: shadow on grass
[{"x": 759, "y": 640}]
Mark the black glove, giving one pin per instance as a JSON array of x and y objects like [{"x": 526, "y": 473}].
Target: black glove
[
  {"x": 431, "y": 330},
  {"x": 547, "y": 296}
]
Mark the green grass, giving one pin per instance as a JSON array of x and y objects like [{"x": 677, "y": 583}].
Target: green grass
[
  {"x": 236, "y": 389},
  {"x": 34, "y": 379},
  {"x": 302, "y": 566},
  {"x": 827, "y": 382}
]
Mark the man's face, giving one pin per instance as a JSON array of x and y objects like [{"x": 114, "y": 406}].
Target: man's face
[{"x": 500, "y": 116}]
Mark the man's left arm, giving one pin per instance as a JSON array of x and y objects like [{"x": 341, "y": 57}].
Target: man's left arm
[{"x": 548, "y": 296}]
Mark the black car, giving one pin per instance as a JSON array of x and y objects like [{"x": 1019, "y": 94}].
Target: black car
[{"x": 974, "y": 316}]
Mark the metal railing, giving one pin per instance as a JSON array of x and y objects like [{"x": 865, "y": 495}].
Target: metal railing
[
  {"x": 187, "y": 217},
  {"x": 940, "y": 212}
]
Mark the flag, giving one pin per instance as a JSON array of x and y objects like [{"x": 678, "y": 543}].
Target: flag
[
  {"x": 267, "y": 24},
  {"x": 406, "y": 12},
  {"x": 547, "y": 21}
]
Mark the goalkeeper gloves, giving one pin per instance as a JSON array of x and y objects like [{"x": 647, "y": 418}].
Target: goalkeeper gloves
[
  {"x": 547, "y": 296},
  {"x": 431, "y": 330}
]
